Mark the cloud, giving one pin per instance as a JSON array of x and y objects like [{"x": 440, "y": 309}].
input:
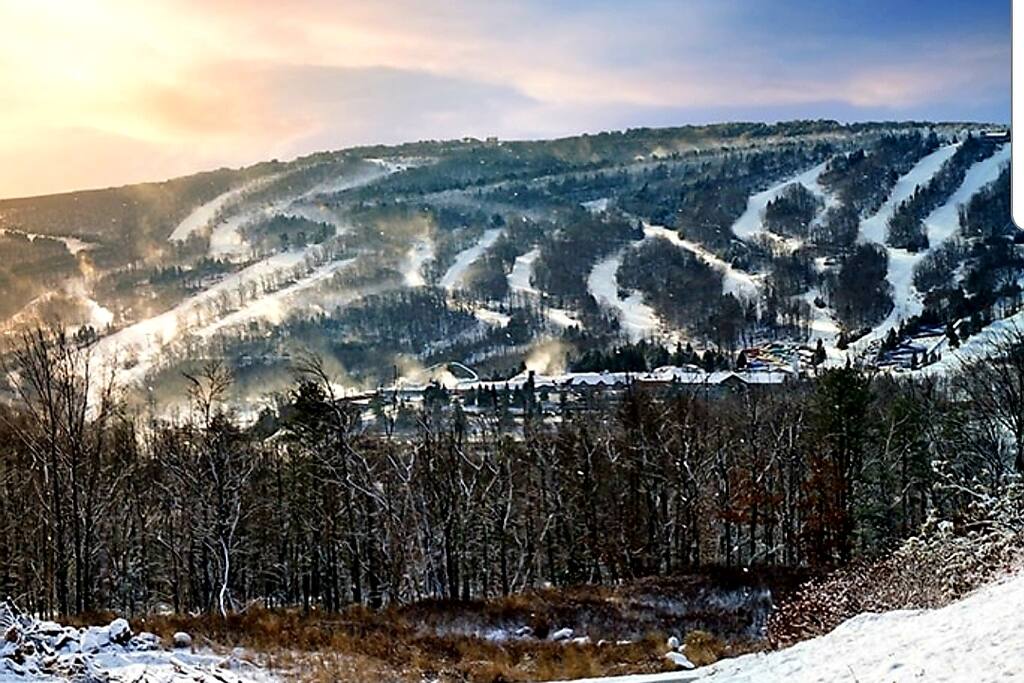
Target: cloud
[{"x": 190, "y": 83}]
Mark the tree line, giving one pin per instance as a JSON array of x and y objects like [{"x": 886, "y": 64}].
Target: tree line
[{"x": 105, "y": 507}]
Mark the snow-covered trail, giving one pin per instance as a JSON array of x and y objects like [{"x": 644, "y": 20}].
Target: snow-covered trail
[
  {"x": 465, "y": 258},
  {"x": 276, "y": 306},
  {"x": 522, "y": 272},
  {"x": 741, "y": 284},
  {"x": 226, "y": 240},
  {"x": 874, "y": 228},
  {"x": 204, "y": 214},
  {"x": 145, "y": 340},
  {"x": 823, "y": 325},
  {"x": 74, "y": 245},
  {"x": 418, "y": 256},
  {"x": 749, "y": 225},
  {"x": 941, "y": 224},
  {"x": 990, "y": 341},
  {"x": 976, "y": 639},
  {"x": 638, "y": 320}
]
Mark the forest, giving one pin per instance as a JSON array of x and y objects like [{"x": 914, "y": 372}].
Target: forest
[{"x": 104, "y": 506}]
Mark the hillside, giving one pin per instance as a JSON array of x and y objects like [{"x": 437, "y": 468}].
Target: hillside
[{"x": 887, "y": 242}]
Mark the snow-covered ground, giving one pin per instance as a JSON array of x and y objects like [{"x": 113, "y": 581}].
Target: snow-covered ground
[
  {"x": 276, "y": 306},
  {"x": 145, "y": 340},
  {"x": 420, "y": 253},
  {"x": 561, "y": 317},
  {"x": 73, "y": 244},
  {"x": 739, "y": 283},
  {"x": 976, "y": 640},
  {"x": 942, "y": 224},
  {"x": 749, "y": 225},
  {"x": 33, "y": 651},
  {"x": 874, "y": 228},
  {"x": 978, "y": 346},
  {"x": 639, "y": 321},
  {"x": 522, "y": 272},
  {"x": 465, "y": 258},
  {"x": 204, "y": 214},
  {"x": 823, "y": 324},
  {"x": 226, "y": 240}
]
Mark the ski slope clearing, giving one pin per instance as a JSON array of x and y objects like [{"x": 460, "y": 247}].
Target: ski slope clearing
[
  {"x": 942, "y": 224},
  {"x": 420, "y": 254},
  {"x": 739, "y": 283},
  {"x": 522, "y": 272},
  {"x": 560, "y": 317},
  {"x": 749, "y": 225},
  {"x": 276, "y": 307},
  {"x": 978, "y": 346},
  {"x": 204, "y": 214},
  {"x": 638, "y": 320},
  {"x": 465, "y": 258},
  {"x": 226, "y": 241},
  {"x": 874, "y": 228},
  {"x": 141, "y": 344},
  {"x": 976, "y": 639},
  {"x": 72, "y": 244}
]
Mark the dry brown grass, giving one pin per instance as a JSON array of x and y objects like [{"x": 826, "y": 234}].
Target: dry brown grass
[
  {"x": 439, "y": 640},
  {"x": 359, "y": 645},
  {"x": 703, "y": 648}
]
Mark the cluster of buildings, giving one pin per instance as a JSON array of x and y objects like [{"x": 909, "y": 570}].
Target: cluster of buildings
[{"x": 538, "y": 394}]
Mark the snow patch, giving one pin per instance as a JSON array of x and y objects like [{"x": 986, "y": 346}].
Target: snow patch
[
  {"x": 750, "y": 225},
  {"x": 519, "y": 280},
  {"x": 465, "y": 258},
  {"x": 638, "y": 320},
  {"x": 739, "y": 283}
]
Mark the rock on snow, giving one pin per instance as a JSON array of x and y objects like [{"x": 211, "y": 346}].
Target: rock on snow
[{"x": 33, "y": 651}]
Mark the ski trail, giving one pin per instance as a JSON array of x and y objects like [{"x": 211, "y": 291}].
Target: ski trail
[
  {"x": 419, "y": 254},
  {"x": 522, "y": 272},
  {"x": 749, "y": 225},
  {"x": 874, "y": 228},
  {"x": 942, "y": 224},
  {"x": 74, "y": 245},
  {"x": 276, "y": 306},
  {"x": 144, "y": 341},
  {"x": 204, "y": 214},
  {"x": 740, "y": 284},
  {"x": 465, "y": 258},
  {"x": 638, "y": 320},
  {"x": 226, "y": 240}
]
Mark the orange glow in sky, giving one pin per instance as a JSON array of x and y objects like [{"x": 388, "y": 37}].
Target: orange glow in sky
[{"x": 102, "y": 92}]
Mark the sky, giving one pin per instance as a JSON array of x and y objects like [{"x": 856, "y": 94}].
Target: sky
[{"x": 95, "y": 93}]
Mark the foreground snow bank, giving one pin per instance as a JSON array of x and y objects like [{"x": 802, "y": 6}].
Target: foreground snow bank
[
  {"x": 43, "y": 651},
  {"x": 976, "y": 639}
]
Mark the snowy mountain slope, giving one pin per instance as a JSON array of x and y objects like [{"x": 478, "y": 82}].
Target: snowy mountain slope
[
  {"x": 522, "y": 272},
  {"x": 749, "y": 225},
  {"x": 874, "y": 228},
  {"x": 464, "y": 259},
  {"x": 942, "y": 224},
  {"x": 741, "y": 284},
  {"x": 204, "y": 214},
  {"x": 638, "y": 320},
  {"x": 233, "y": 257},
  {"x": 976, "y": 639},
  {"x": 135, "y": 348}
]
